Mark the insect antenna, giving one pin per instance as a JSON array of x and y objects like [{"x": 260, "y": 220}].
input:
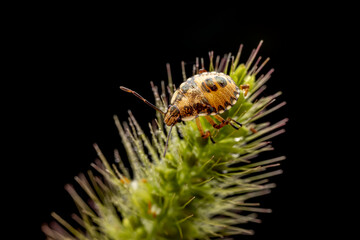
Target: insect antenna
[
  {"x": 167, "y": 140},
  {"x": 139, "y": 96}
]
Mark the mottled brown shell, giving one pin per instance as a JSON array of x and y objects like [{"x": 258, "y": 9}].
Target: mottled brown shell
[{"x": 209, "y": 93}]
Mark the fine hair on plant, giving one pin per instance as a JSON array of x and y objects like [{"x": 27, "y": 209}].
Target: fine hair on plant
[{"x": 198, "y": 189}]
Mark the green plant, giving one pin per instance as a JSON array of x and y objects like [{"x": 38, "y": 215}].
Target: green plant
[{"x": 199, "y": 190}]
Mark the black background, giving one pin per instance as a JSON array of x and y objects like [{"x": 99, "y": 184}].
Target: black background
[{"x": 74, "y": 58}]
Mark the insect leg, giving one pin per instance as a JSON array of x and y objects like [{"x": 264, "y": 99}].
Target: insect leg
[
  {"x": 222, "y": 124},
  {"x": 211, "y": 121},
  {"x": 245, "y": 87},
  {"x": 202, "y": 70},
  {"x": 225, "y": 122},
  {"x": 218, "y": 126},
  {"x": 237, "y": 128},
  {"x": 235, "y": 122},
  {"x": 201, "y": 130}
]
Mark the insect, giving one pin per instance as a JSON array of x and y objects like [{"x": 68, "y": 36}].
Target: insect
[{"x": 206, "y": 94}]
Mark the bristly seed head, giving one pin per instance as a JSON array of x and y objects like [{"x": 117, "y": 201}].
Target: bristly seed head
[{"x": 199, "y": 190}]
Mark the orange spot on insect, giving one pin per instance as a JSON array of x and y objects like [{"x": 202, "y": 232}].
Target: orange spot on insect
[{"x": 144, "y": 180}]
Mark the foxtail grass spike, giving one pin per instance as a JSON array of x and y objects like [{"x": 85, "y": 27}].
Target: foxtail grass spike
[{"x": 180, "y": 185}]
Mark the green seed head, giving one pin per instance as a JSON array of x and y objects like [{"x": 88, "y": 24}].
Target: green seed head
[{"x": 199, "y": 190}]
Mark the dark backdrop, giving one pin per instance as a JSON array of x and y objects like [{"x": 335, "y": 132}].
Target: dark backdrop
[{"x": 75, "y": 58}]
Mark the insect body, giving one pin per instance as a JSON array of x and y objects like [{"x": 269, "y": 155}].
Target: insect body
[
  {"x": 209, "y": 93},
  {"x": 205, "y": 94}
]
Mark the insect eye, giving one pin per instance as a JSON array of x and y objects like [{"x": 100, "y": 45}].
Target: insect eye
[{"x": 179, "y": 120}]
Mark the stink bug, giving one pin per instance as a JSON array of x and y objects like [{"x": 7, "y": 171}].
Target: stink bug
[{"x": 204, "y": 94}]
